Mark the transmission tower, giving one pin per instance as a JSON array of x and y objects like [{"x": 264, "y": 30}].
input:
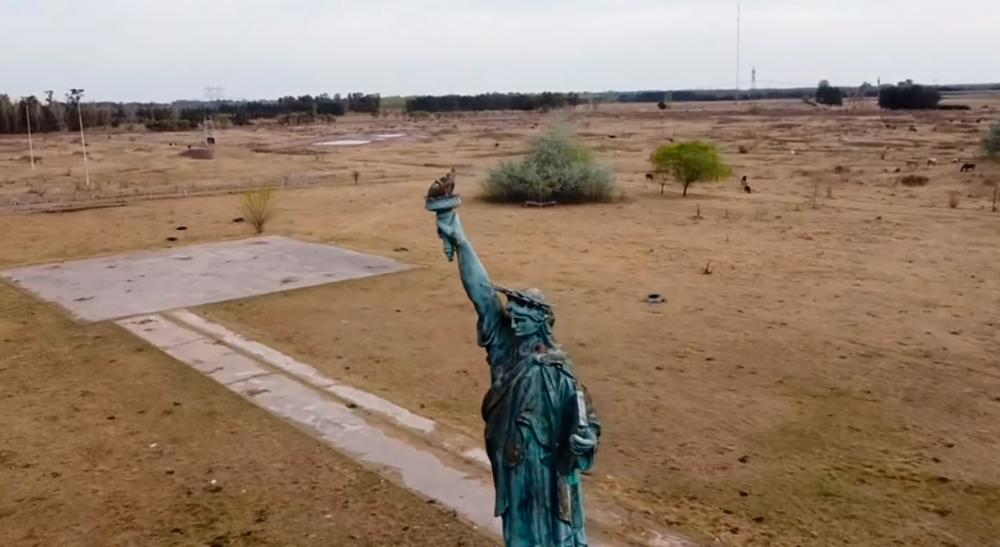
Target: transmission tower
[{"x": 213, "y": 94}]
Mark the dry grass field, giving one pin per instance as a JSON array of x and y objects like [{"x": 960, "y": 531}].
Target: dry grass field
[{"x": 835, "y": 379}]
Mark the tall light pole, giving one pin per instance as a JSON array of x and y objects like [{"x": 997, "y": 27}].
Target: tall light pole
[
  {"x": 31, "y": 148},
  {"x": 77, "y": 94}
]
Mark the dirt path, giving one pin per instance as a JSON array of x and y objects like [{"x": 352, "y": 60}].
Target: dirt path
[{"x": 106, "y": 441}]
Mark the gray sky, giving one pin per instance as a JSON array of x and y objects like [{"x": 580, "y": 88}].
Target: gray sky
[{"x": 171, "y": 49}]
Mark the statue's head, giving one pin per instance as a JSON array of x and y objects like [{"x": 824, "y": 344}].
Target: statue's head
[{"x": 529, "y": 313}]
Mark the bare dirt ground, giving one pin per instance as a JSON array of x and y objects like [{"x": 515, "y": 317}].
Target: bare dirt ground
[
  {"x": 833, "y": 381},
  {"x": 106, "y": 441}
]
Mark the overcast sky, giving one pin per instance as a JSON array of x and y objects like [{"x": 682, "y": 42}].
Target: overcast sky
[{"x": 172, "y": 49}]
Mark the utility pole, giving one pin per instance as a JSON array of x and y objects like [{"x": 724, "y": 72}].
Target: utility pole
[
  {"x": 31, "y": 148},
  {"x": 77, "y": 95},
  {"x": 83, "y": 143}
]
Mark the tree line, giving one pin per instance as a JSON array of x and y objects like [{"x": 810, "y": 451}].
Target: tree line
[
  {"x": 492, "y": 101},
  {"x": 52, "y": 113}
]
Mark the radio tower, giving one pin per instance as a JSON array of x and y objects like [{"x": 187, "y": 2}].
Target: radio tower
[
  {"x": 738, "y": 50},
  {"x": 214, "y": 94}
]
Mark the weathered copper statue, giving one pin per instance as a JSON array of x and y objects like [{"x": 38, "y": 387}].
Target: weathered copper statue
[{"x": 541, "y": 428}]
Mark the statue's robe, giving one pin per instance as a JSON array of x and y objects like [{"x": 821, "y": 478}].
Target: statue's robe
[{"x": 530, "y": 411}]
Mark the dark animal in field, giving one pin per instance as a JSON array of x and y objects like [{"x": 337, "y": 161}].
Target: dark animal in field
[
  {"x": 649, "y": 176},
  {"x": 745, "y": 185},
  {"x": 968, "y": 167}
]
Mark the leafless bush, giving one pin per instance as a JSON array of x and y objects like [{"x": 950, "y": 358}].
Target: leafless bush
[
  {"x": 829, "y": 192},
  {"x": 841, "y": 169},
  {"x": 198, "y": 153},
  {"x": 914, "y": 180},
  {"x": 37, "y": 188},
  {"x": 954, "y": 198},
  {"x": 258, "y": 208}
]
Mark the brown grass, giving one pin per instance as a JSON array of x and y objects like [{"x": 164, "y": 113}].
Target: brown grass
[
  {"x": 198, "y": 154},
  {"x": 838, "y": 366},
  {"x": 117, "y": 443}
]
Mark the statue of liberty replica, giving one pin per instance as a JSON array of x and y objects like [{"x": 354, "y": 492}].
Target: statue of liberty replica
[{"x": 541, "y": 428}]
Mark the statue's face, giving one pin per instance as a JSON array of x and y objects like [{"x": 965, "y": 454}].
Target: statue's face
[{"x": 524, "y": 320}]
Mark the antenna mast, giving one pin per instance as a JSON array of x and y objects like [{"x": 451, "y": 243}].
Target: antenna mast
[{"x": 738, "y": 14}]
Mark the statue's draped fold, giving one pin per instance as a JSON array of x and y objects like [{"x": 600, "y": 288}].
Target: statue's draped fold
[{"x": 530, "y": 411}]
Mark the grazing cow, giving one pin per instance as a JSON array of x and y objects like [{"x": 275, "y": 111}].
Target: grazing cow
[
  {"x": 968, "y": 167},
  {"x": 649, "y": 177},
  {"x": 931, "y": 161}
]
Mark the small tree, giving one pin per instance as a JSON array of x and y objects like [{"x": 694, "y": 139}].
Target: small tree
[
  {"x": 689, "y": 162},
  {"x": 829, "y": 95},
  {"x": 258, "y": 208}
]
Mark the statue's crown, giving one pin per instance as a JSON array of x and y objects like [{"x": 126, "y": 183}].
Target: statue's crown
[{"x": 529, "y": 297}]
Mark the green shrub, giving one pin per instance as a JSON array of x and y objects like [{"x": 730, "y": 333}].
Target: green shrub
[
  {"x": 991, "y": 144},
  {"x": 556, "y": 169},
  {"x": 689, "y": 162}
]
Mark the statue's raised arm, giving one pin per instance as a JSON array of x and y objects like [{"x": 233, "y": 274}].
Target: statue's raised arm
[{"x": 442, "y": 200}]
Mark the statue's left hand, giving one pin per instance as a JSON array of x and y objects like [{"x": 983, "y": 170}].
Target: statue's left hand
[{"x": 583, "y": 441}]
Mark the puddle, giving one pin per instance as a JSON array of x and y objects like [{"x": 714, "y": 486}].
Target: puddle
[
  {"x": 361, "y": 140},
  {"x": 343, "y": 142}
]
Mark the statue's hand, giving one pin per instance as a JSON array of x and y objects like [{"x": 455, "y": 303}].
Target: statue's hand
[
  {"x": 448, "y": 230},
  {"x": 583, "y": 441}
]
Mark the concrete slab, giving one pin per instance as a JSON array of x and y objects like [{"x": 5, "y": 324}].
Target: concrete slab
[{"x": 147, "y": 282}]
